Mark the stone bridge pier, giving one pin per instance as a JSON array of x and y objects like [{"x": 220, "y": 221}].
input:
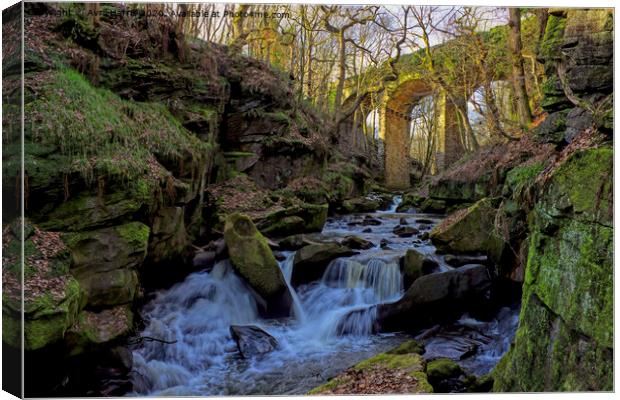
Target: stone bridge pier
[{"x": 395, "y": 124}]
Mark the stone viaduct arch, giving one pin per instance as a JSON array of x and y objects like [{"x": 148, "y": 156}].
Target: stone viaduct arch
[{"x": 395, "y": 109}]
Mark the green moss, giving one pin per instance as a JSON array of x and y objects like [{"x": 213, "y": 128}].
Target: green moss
[
  {"x": 583, "y": 181},
  {"x": 96, "y": 133},
  {"x": 410, "y": 346},
  {"x": 135, "y": 233},
  {"x": 443, "y": 368},
  {"x": 565, "y": 337},
  {"x": 46, "y": 317},
  {"x": 251, "y": 256},
  {"x": 553, "y": 37},
  {"x": 409, "y": 362},
  {"x": 330, "y": 385},
  {"x": 520, "y": 176}
]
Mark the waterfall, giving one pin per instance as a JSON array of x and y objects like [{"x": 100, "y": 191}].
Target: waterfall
[
  {"x": 383, "y": 279},
  {"x": 286, "y": 266},
  {"x": 195, "y": 317},
  {"x": 334, "y": 313},
  {"x": 395, "y": 203}
]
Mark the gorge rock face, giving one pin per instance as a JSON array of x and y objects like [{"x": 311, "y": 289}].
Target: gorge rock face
[
  {"x": 252, "y": 258},
  {"x": 581, "y": 43},
  {"x": 435, "y": 298},
  {"x": 565, "y": 336},
  {"x": 104, "y": 262}
]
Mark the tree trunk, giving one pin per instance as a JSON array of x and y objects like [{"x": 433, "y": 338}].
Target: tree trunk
[
  {"x": 518, "y": 75},
  {"x": 341, "y": 71}
]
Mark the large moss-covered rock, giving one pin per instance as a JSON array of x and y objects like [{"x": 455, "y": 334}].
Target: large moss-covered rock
[
  {"x": 104, "y": 262},
  {"x": 253, "y": 260},
  {"x": 109, "y": 288},
  {"x": 94, "y": 329},
  {"x": 565, "y": 335},
  {"x": 87, "y": 211},
  {"x": 309, "y": 218},
  {"x": 52, "y": 297},
  {"x": 122, "y": 246},
  {"x": 470, "y": 230}
]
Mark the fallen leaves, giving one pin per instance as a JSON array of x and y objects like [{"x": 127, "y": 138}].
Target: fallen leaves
[{"x": 376, "y": 380}]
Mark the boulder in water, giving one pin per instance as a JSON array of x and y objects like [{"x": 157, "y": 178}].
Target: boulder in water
[
  {"x": 436, "y": 298},
  {"x": 203, "y": 259},
  {"x": 357, "y": 243},
  {"x": 252, "y": 258},
  {"x": 470, "y": 230},
  {"x": 371, "y": 221},
  {"x": 296, "y": 242},
  {"x": 311, "y": 261},
  {"x": 405, "y": 231},
  {"x": 360, "y": 205},
  {"x": 416, "y": 264},
  {"x": 307, "y": 218},
  {"x": 252, "y": 340},
  {"x": 460, "y": 260},
  {"x": 403, "y": 221}
]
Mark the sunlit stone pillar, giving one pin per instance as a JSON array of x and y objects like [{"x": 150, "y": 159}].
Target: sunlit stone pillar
[{"x": 449, "y": 145}]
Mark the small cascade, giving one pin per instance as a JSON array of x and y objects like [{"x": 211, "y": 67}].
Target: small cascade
[
  {"x": 395, "y": 203},
  {"x": 190, "y": 323},
  {"x": 286, "y": 266},
  {"x": 383, "y": 280}
]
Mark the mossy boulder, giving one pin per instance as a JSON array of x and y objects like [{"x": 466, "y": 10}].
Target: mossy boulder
[
  {"x": 52, "y": 297},
  {"x": 109, "y": 288},
  {"x": 118, "y": 247},
  {"x": 47, "y": 316},
  {"x": 87, "y": 211},
  {"x": 470, "y": 230},
  {"x": 408, "y": 347},
  {"x": 565, "y": 337},
  {"x": 286, "y": 226},
  {"x": 410, "y": 200},
  {"x": 312, "y": 215},
  {"x": 361, "y": 205},
  {"x": 252, "y": 258},
  {"x": 441, "y": 369},
  {"x": 95, "y": 329},
  {"x": 311, "y": 261}
]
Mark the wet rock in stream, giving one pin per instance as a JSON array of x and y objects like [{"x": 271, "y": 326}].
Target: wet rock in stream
[{"x": 252, "y": 340}]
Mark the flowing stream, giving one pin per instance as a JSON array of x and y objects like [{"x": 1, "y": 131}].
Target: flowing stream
[{"x": 332, "y": 326}]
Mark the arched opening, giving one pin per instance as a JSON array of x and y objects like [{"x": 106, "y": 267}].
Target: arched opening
[
  {"x": 396, "y": 117},
  {"x": 423, "y": 137}
]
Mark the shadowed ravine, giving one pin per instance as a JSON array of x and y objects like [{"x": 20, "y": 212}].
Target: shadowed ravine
[{"x": 333, "y": 327}]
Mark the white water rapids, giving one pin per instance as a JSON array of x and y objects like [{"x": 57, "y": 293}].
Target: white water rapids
[{"x": 332, "y": 326}]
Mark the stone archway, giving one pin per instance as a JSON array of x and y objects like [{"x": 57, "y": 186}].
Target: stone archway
[{"x": 395, "y": 119}]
